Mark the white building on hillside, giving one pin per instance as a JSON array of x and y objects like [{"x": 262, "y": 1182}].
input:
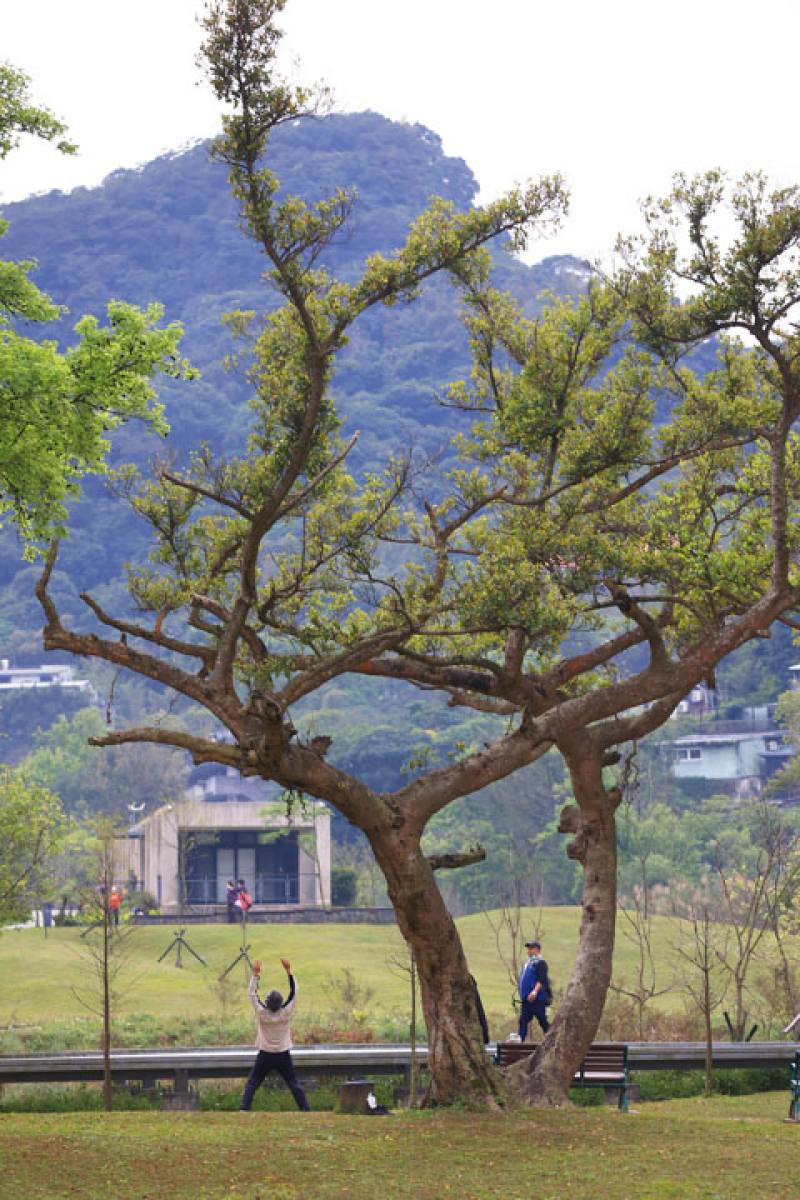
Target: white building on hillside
[{"x": 51, "y": 675}]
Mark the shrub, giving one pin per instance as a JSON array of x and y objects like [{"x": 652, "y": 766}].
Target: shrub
[
  {"x": 344, "y": 886},
  {"x": 620, "y": 1021},
  {"x": 679, "y": 1085}
]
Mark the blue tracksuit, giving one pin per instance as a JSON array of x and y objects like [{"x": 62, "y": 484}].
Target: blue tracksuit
[{"x": 534, "y": 971}]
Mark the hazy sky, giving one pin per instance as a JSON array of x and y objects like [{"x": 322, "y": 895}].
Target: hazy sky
[{"x": 616, "y": 94}]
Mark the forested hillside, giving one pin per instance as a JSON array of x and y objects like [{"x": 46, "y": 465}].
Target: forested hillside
[{"x": 169, "y": 232}]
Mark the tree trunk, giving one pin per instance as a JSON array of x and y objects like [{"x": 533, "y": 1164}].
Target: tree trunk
[
  {"x": 413, "y": 1074},
  {"x": 459, "y": 1066},
  {"x": 739, "y": 1014},
  {"x": 108, "y": 1089},
  {"x": 546, "y": 1076},
  {"x": 709, "y": 1080},
  {"x": 785, "y": 974}
]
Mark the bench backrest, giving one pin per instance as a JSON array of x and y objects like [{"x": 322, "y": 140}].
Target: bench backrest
[{"x": 607, "y": 1058}]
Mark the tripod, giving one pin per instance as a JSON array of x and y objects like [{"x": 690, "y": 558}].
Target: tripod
[
  {"x": 243, "y": 951},
  {"x": 178, "y": 943}
]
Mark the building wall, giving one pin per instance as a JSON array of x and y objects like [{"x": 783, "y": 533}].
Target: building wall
[
  {"x": 717, "y": 762},
  {"x": 127, "y": 859},
  {"x": 722, "y": 760},
  {"x": 156, "y": 851}
]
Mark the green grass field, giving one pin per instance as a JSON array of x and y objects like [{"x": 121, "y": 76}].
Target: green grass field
[
  {"x": 723, "y": 1149},
  {"x": 38, "y": 973}
]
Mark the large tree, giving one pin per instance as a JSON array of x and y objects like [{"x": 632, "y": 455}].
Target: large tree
[
  {"x": 259, "y": 549},
  {"x": 572, "y": 577},
  {"x": 621, "y": 481},
  {"x": 57, "y": 406}
]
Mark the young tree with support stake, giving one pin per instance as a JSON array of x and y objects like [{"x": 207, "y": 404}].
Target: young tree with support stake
[
  {"x": 105, "y": 947},
  {"x": 574, "y": 576}
]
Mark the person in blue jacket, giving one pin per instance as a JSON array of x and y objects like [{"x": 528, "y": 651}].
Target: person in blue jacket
[{"x": 534, "y": 991}]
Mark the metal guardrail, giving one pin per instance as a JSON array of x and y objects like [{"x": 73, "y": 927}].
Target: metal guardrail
[
  {"x": 224, "y": 1062},
  {"x": 234, "y": 1062},
  {"x": 691, "y": 1056}
]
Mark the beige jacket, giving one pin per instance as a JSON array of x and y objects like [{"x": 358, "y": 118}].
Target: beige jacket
[{"x": 274, "y": 1028}]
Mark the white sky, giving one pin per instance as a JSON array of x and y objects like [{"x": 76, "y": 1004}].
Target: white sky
[{"x": 616, "y": 94}]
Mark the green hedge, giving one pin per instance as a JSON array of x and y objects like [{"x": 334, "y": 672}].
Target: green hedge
[
  {"x": 676, "y": 1085},
  {"x": 681, "y": 1085}
]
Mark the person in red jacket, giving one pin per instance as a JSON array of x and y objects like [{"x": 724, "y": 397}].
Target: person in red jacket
[{"x": 114, "y": 904}]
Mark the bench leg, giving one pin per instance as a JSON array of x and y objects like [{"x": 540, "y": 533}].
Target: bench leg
[{"x": 623, "y": 1099}]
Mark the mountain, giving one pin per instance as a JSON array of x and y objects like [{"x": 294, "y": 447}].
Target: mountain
[{"x": 169, "y": 231}]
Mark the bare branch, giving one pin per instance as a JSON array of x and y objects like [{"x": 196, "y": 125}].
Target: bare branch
[
  {"x": 649, "y": 627},
  {"x": 201, "y": 749},
  {"x": 465, "y": 858},
  {"x": 154, "y": 635},
  {"x": 191, "y": 485},
  {"x": 426, "y": 796},
  {"x": 297, "y": 500},
  {"x": 209, "y": 604},
  {"x": 57, "y": 637}
]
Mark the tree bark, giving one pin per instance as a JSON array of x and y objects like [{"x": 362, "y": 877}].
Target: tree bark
[
  {"x": 545, "y": 1077},
  {"x": 459, "y": 1066},
  {"x": 709, "y": 1076},
  {"x": 108, "y": 1087}
]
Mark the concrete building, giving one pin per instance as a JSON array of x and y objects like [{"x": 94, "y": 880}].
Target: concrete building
[
  {"x": 47, "y": 676},
  {"x": 230, "y": 828},
  {"x": 741, "y": 761}
]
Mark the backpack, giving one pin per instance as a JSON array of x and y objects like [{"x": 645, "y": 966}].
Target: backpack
[
  {"x": 245, "y": 900},
  {"x": 547, "y": 987}
]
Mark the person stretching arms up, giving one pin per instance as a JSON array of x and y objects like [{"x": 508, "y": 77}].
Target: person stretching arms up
[{"x": 273, "y": 1039}]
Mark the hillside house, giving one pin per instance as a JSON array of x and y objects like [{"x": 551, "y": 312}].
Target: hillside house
[{"x": 741, "y": 760}]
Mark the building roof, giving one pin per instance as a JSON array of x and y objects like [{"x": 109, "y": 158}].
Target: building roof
[{"x": 692, "y": 739}]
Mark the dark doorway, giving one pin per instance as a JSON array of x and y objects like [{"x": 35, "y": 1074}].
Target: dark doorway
[{"x": 268, "y": 865}]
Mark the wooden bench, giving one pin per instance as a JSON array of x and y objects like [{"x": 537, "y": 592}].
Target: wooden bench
[{"x": 605, "y": 1066}]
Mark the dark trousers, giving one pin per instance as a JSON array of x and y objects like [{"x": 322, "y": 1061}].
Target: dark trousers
[
  {"x": 529, "y": 1010},
  {"x": 266, "y": 1062}
]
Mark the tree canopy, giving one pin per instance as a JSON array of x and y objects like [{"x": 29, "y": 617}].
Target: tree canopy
[
  {"x": 57, "y": 407},
  {"x": 32, "y": 826}
]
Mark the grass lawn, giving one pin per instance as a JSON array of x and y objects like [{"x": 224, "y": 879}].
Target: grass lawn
[
  {"x": 38, "y": 973},
  {"x": 723, "y": 1149}
]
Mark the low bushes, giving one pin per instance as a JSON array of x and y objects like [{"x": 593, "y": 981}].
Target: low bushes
[
  {"x": 677, "y": 1085},
  {"x": 221, "y": 1096}
]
